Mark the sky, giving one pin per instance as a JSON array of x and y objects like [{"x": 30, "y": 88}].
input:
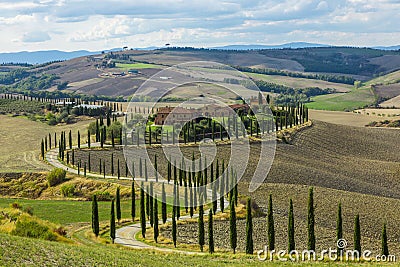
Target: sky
[{"x": 97, "y": 25}]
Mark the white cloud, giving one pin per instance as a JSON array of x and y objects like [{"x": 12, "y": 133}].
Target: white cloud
[
  {"x": 35, "y": 37},
  {"x": 93, "y": 24}
]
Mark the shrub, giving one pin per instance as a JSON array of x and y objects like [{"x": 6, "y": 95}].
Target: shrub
[
  {"x": 103, "y": 196},
  {"x": 68, "y": 190},
  {"x": 28, "y": 210},
  {"x": 15, "y": 205},
  {"x": 56, "y": 176},
  {"x": 33, "y": 229}
]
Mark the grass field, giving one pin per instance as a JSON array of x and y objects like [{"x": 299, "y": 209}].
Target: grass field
[
  {"x": 357, "y": 98},
  {"x": 127, "y": 66},
  {"x": 18, "y": 251},
  {"x": 301, "y": 82},
  {"x": 20, "y": 142},
  {"x": 68, "y": 211}
]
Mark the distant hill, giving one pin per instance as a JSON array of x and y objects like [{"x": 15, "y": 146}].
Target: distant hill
[
  {"x": 260, "y": 47},
  {"x": 395, "y": 47},
  {"x": 39, "y": 57}
]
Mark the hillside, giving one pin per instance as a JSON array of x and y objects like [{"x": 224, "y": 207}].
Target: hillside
[{"x": 100, "y": 74}]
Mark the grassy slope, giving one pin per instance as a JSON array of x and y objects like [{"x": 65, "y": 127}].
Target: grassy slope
[
  {"x": 68, "y": 211},
  {"x": 354, "y": 99},
  {"x": 20, "y": 142},
  {"x": 300, "y": 82},
  {"x": 357, "y": 98},
  {"x": 127, "y": 66},
  {"x": 17, "y": 251}
]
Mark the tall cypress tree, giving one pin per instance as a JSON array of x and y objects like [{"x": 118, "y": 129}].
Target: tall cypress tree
[
  {"x": 95, "y": 216},
  {"x": 270, "y": 225},
  {"x": 291, "y": 242},
  {"x": 79, "y": 139},
  {"x": 210, "y": 232},
  {"x": 164, "y": 205},
  {"x": 339, "y": 224},
  {"x": 311, "y": 220},
  {"x": 151, "y": 204},
  {"x": 118, "y": 170},
  {"x": 70, "y": 139},
  {"x": 174, "y": 225},
  {"x": 112, "y": 222},
  {"x": 118, "y": 204},
  {"x": 385, "y": 248},
  {"x": 42, "y": 149},
  {"x": 133, "y": 202},
  {"x": 357, "y": 234},
  {"x": 155, "y": 219},
  {"x": 88, "y": 138},
  {"x": 147, "y": 202},
  {"x": 232, "y": 226},
  {"x": 249, "y": 228},
  {"x": 142, "y": 212},
  {"x": 112, "y": 164},
  {"x": 201, "y": 226}
]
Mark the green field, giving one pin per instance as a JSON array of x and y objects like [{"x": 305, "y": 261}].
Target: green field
[
  {"x": 300, "y": 82},
  {"x": 19, "y": 251},
  {"x": 66, "y": 211},
  {"x": 357, "y": 98},
  {"x": 127, "y": 66}
]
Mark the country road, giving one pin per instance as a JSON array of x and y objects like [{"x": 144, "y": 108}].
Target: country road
[{"x": 126, "y": 235}]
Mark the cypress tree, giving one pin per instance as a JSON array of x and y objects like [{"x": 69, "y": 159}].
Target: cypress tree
[
  {"x": 112, "y": 222},
  {"x": 42, "y": 149},
  {"x": 164, "y": 205},
  {"x": 88, "y": 138},
  {"x": 142, "y": 212},
  {"x": 232, "y": 224},
  {"x": 270, "y": 225},
  {"x": 357, "y": 234},
  {"x": 112, "y": 138},
  {"x": 339, "y": 224},
  {"x": 89, "y": 162},
  {"x": 118, "y": 170},
  {"x": 174, "y": 225},
  {"x": 201, "y": 226},
  {"x": 155, "y": 219},
  {"x": 249, "y": 228},
  {"x": 133, "y": 202},
  {"x": 70, "y": 139},
  {"x": 385, "y": 248},
  {"x": 118, "y": 205},
  {"x": 151, "y": 204},
  {"x": 147, "y": 202},
  {"x": 291, "y": 242},
  {"x": 311, "y": 220},
  {"x": 112, "y": 164},
  {"x": 95, "y": 216},
  {"x": 79, "y": 140},
  {"x": 210, "y": 232}
]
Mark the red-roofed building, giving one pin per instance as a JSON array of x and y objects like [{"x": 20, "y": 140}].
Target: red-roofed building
[{"x": 175, "y": 115}]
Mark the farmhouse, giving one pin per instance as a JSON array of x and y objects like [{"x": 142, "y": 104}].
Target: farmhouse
[{"x": 175, "y": 115}]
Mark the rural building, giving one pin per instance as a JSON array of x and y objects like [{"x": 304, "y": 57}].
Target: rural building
[
  {"x": 179, "y": 115},
  {"x": 240, "y": 108}
]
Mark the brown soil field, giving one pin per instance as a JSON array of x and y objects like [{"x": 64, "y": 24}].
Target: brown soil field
[
  {"x": 357, "y": 119},
  {"x": 373, "y": 211},
  {"x": 361, "y": 160}
]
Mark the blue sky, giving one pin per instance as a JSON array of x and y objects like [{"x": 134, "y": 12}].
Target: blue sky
[{"x": 96, "y": 25}]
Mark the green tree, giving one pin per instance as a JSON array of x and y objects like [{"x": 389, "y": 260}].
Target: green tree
[
  {"x": 142, "y": 212},
  {"x": 95, "y": 216},
  {"x": 311, "y": 220},
  {"x": 164, "y": 204},
  {"x": 249, "y": 228},
  {"x": 155, "y": 220},
  {"x": 201, "y": 226},
  {"x": 112, "y": 222},
  {"x": 339, "y": 224},
  {"x": 357, "y": 234},
  {"x": 118, "y": 205},
  {"x": 232, "y": 226},
  {"x": 79, "y": 139},
  {"x": 133, "y": 202},
  {"x": 270, "y": 225},
  {"x": 174, "y": 225},
  {"x": 210, "y": 232},
  {"x": 42, "y": 149},
  {"x": 385, "y": 248},
  {"x": 291, "y": 243},
  {"x": 88, "y": 138}
]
